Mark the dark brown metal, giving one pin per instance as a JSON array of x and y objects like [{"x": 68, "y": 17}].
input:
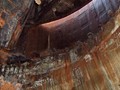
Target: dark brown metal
[{"x": 64, "y": 32}]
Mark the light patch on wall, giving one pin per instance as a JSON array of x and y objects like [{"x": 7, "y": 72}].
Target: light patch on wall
[{"x": 38, "y": 2}]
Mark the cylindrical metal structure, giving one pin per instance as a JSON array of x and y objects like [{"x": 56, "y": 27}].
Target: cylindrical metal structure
[{"x": 65, "y": 31}]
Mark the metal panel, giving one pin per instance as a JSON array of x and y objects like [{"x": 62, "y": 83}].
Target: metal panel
[{"x": 11, "y": 13}]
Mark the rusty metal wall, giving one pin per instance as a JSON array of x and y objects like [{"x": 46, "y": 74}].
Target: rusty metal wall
[
  {"x": 12, "y": 15},
  {"x": 100, "y": 73},
  {"x": 95, "y": 69},
  {"x": 90, "y": 65},
  {"x": 65, "y": 31},
  {"x": 76, "y": 26}
]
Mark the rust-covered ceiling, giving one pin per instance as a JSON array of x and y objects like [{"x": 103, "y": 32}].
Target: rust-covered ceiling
[
  {"x": 64, "y": 32},
  {"x": 16, "y": 15},
  {"x": 50, "y": 10},
  {"x": 59, "y": 44},
  {"x": 27, "y": 27}
]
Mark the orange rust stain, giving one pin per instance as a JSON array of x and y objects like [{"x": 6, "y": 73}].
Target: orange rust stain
[
  {"x": 2, "y": 22},
  {"x": 7, "y": 86}
]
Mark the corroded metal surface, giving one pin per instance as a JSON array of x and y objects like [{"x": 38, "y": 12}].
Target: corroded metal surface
[
  {"x": 67, "y": 30},
  {"x": 90, "y": 65},
  {"x": 12, "y": 15}
]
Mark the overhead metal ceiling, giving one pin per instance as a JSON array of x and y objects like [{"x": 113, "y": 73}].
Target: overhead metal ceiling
[
  {"x": 16, "y": 15},
  {"x": 65, "y": 31}
]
